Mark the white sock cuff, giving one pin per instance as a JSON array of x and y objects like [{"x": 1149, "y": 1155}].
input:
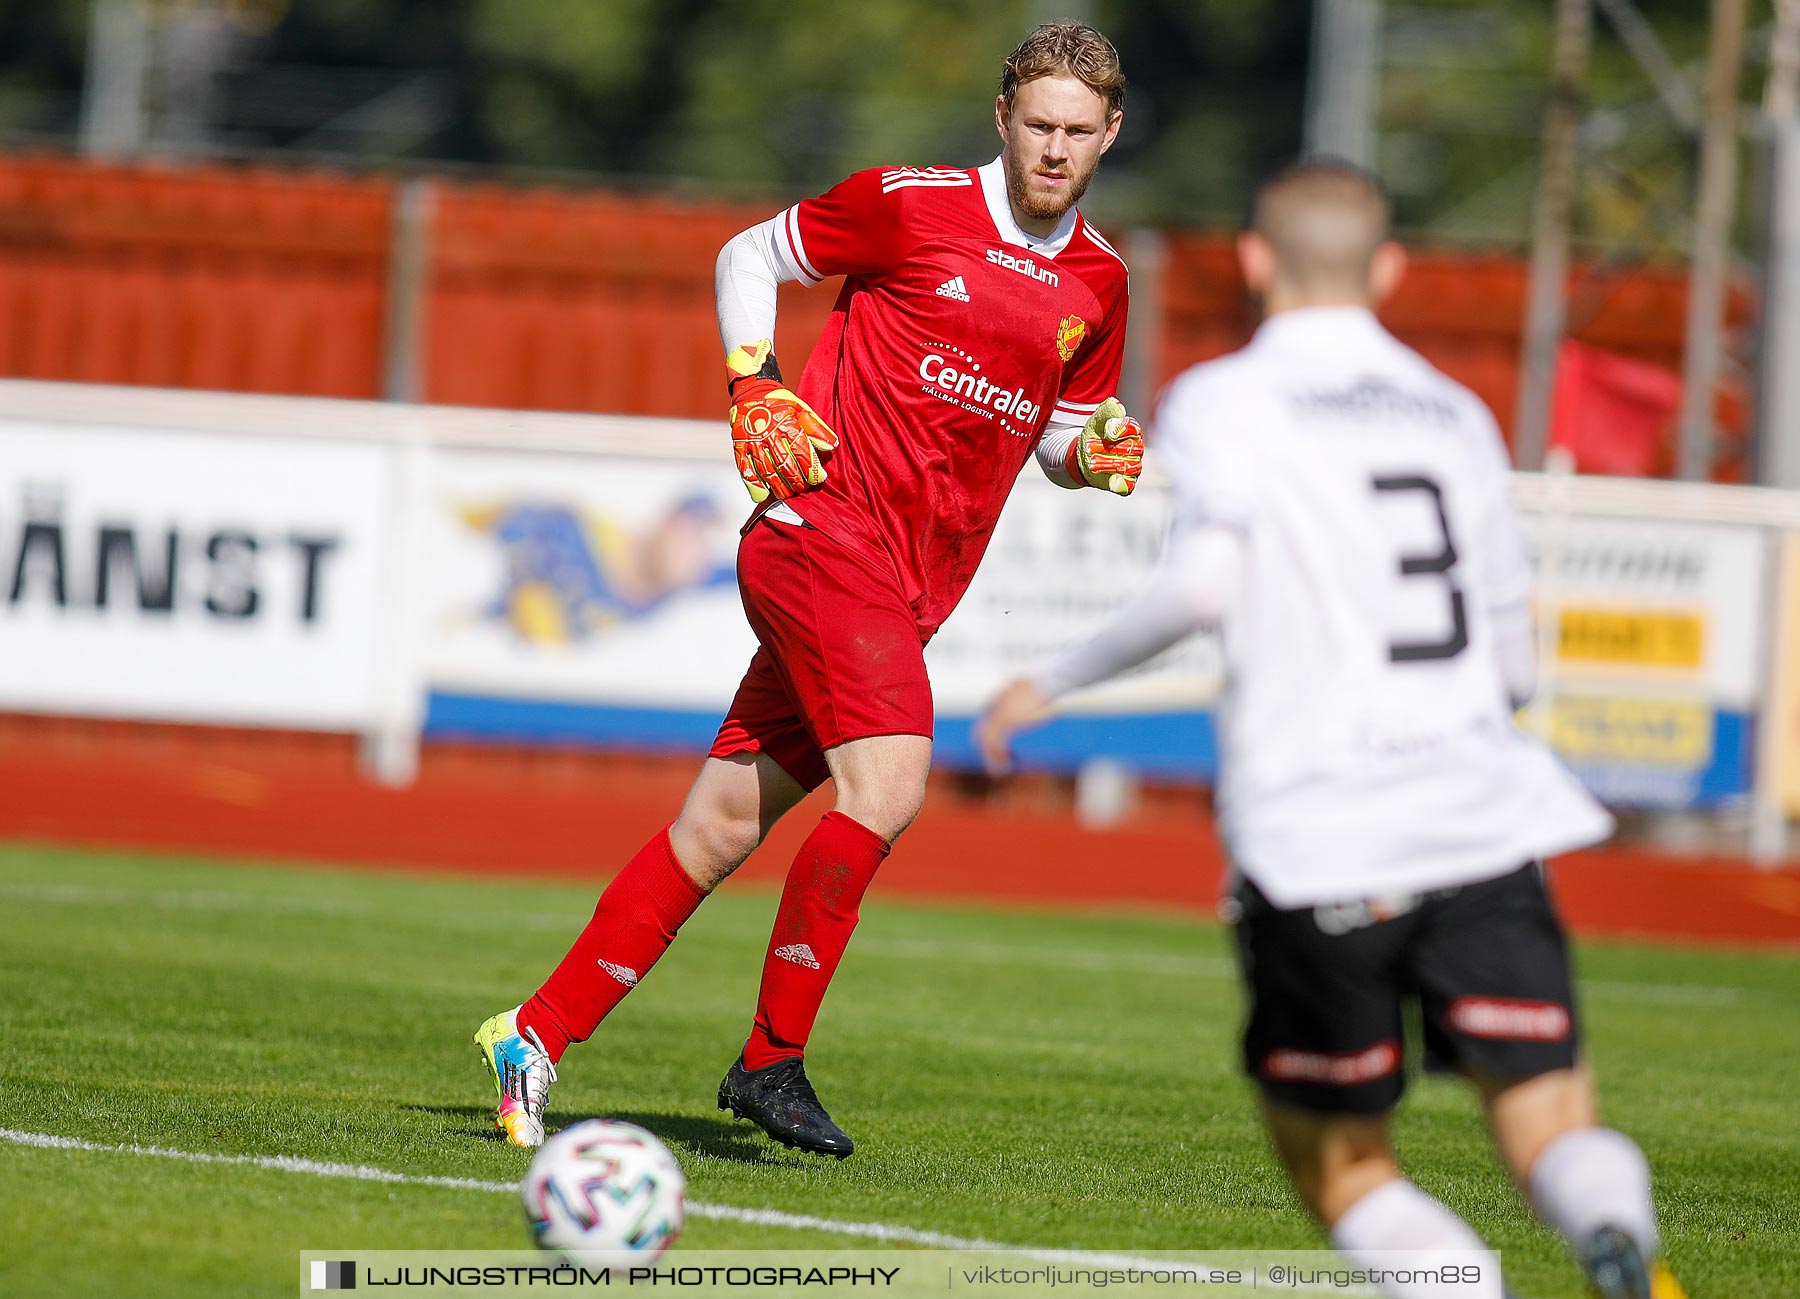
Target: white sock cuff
[
  {"x": 1399, "y": 1215},
  {"x": 1591, "y": 1178},
  {"x": 1366, "y": 1221}
]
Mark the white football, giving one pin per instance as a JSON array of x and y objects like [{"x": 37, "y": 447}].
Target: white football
[{"x": 605, "y": 1194}]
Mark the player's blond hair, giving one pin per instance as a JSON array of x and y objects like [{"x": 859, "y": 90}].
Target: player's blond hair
[{"x": 1072, "y": 48}]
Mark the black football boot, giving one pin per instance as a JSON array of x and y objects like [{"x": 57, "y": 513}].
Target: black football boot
[{"x": 780, "y": 1101}]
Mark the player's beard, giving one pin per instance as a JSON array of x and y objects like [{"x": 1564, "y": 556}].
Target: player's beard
[{"x": 1045, "y": 207}]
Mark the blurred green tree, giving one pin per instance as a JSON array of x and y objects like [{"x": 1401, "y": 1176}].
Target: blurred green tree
[{"x": 771, "y": 99}]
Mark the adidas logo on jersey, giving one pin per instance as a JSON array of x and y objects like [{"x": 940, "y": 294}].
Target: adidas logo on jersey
[
  {"x": 623, "y": 973},
  {"x": 799, "y": 954},
  {"x": 954, "y": 288}
]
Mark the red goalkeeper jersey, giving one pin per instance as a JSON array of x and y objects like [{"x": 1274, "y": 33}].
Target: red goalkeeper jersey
[{"x": 956, "y": 340}]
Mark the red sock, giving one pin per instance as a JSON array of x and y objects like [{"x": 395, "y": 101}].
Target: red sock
[
  {"x": 812, "y": 927},
  {"x": 634, "y": 923}
]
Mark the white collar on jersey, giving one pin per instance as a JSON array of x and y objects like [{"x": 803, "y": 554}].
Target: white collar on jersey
[
  {"x": 993, "y": 189},
  {"x": 1336, "y": 324}
]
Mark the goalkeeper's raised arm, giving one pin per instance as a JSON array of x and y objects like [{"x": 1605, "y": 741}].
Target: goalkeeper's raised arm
[{"x": 857, "y": 230}]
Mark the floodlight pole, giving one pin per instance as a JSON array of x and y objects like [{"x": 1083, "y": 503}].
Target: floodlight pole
[
  {"x": 113, "y": 121},
  {"x": 1343, "y": 80},
  {"x": 1781, "y": 93},
  {"x": 1712, "y": 241},
  {"x": 1778, "y": 333},
  {"x": 408, "y": 282},
  {"x": 1778, "y": 424},
  {"x": 1546, "y": 306}
]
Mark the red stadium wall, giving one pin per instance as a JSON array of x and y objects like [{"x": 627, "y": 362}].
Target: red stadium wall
[
  {"x": 265, "y": 281},
  {"x": 278, "y": 282},
  {"x": 255, "y": 281},
  {"x": 546, "y": 300}
]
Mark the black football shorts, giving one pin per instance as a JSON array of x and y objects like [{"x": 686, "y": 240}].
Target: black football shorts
[{"x": 1487, "y": 964}]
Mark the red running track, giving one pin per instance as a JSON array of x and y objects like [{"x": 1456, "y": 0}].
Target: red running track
[{"x": 573, "y": 815}]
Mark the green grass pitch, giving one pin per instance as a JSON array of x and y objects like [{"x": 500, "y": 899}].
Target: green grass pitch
[{"x": 1037, "y": 1078}]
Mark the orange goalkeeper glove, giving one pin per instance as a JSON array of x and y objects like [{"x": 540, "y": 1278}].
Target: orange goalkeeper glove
[
  {"x": 775, "y": 437},
  {"x": 1109, "y": 451}
]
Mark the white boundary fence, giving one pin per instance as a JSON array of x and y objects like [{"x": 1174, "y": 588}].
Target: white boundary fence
[{"x": 403, "y": 571}]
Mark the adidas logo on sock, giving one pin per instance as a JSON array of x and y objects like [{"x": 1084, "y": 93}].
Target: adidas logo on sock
[
  {"x": 954, "y": 288},
  {"x": 800, "y": 953},
  {"x": 623, "y": 973}
]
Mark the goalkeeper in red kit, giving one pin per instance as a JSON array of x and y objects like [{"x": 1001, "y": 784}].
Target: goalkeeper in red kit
[{"x": 980, "y": 325}]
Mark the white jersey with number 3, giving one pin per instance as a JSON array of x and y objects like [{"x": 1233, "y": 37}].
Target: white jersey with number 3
[{"x": 1367, "y": 742}]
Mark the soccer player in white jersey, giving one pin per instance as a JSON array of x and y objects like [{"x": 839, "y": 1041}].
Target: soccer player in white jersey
[{"x": 1341, "y": 511}]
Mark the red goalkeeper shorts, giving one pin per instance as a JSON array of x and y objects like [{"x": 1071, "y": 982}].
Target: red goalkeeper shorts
[{"x": 840, "y": 658}]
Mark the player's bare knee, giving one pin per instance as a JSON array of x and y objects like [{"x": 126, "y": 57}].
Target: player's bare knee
[
  {"x": 880, "y": 780},
  {"x": 728, "y": 812},
  {"x": 711, "y": 843},
  {"x": 887, "y": 808}
]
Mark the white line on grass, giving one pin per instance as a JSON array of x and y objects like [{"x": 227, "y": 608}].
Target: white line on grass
[
  {"x": 721, "y": 1212},
  {"x": 1662, "y": 994},
  {"x": 186, "y": 899},
  {"x": 276, "y": 1163}
]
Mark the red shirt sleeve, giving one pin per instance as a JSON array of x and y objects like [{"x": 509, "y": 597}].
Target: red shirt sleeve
[
  {"x": 854, "y": 228},
  {"x": 1093, "y": 375}
]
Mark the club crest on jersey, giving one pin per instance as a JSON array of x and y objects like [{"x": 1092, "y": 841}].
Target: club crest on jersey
[{"x": 1068, "y": 337}]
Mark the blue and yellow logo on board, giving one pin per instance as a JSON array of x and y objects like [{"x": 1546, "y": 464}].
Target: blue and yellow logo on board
[
  {"x": 1650, "y": 732},
  {"x": 570, "y": 575},
  {"x": 1654, "y": 638}
]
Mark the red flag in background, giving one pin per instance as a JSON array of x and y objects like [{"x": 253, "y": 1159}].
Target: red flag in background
[{"x": 1611, "y": 412}]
